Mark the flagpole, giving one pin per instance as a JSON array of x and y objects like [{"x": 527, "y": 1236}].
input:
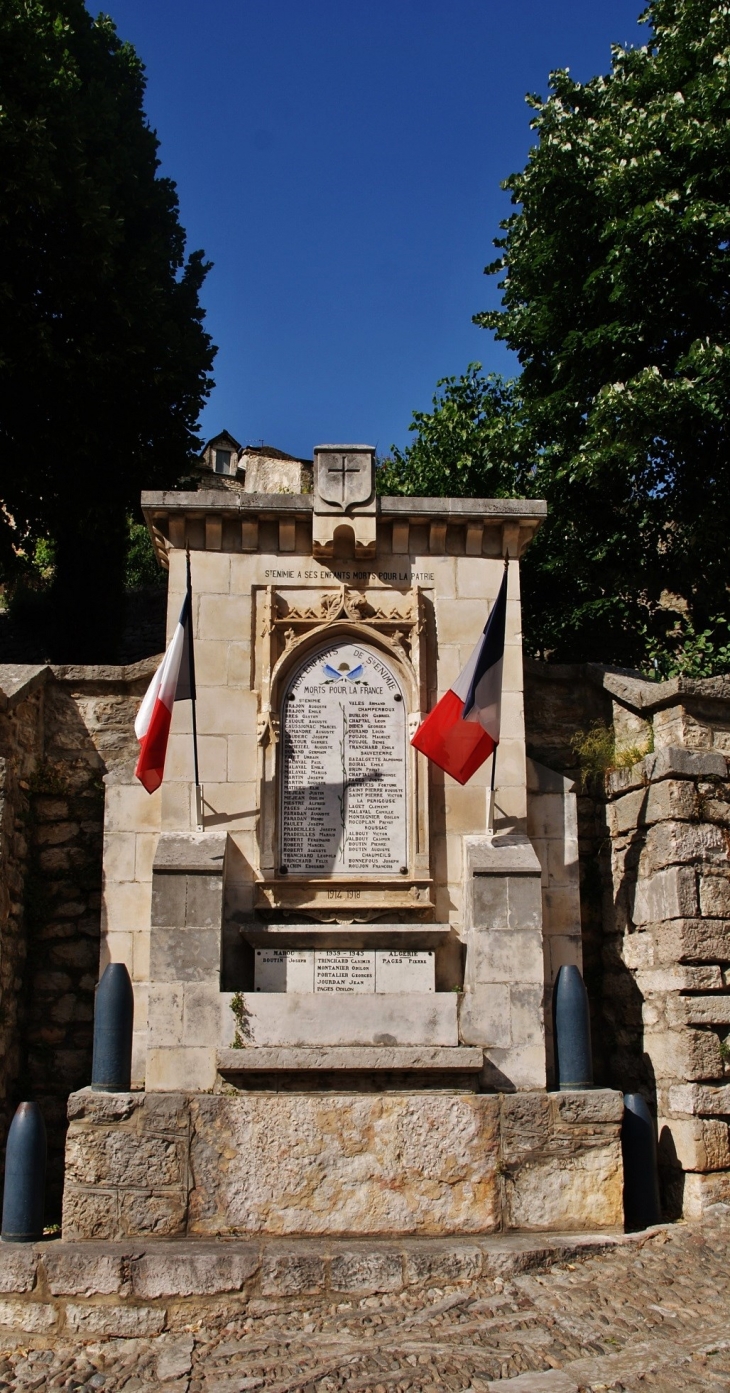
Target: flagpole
[
  {"x": 191, "y": 673},
  {"x": 490, "y": 795}
]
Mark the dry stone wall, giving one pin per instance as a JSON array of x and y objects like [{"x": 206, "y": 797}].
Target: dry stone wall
[
  {"x": 655, "y": 892},
  {"x": 62, "y": 731}
]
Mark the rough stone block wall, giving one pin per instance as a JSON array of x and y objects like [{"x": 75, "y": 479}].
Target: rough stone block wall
[
  {"x": 667, "y": 956},
  {"x": 20, "y": 739},
  {"x": 427, "y": 1162},
  {"x": 655, "y": 890},
  {"x": 61, "y": 731}
]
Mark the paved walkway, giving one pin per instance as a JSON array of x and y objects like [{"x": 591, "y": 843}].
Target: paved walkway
[{"x": 654, "y": 1314}]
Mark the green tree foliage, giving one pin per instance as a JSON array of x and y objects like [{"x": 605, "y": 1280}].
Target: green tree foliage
[
  {"x": 466, "y": 447},
  {"x": 616, "y": 299},
  {"x": 104, "y": 362}
]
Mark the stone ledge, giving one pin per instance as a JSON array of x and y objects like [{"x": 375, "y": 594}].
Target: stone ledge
[
  {"x": 140, "y": 1287},
  {"x": 191, "y": 851},
  {"x": 673, "y": 762},
  {"x": 399, "y": 1057},
  {"x": 401, "y": 938}
]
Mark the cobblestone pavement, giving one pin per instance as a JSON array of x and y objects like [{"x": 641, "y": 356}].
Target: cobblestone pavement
[{"x": 654, "y": 1314}]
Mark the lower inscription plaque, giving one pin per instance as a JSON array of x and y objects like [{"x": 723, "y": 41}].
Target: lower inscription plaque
[{"x": 343, "y": 970}]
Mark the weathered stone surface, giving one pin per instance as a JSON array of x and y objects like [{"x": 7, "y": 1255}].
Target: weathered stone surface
[
  {"x": 586, "y": 1109},
  {"x": 656, "y": 803},
  {"x": 283, "y": 1058},
  {"x": 672, "y": 762},
  {"x": 684, "y": 1054},
  {"x": 695, "y": 1144},
  {"x": 679, "y": 979},
  {"x": 582, "y": 1193},
  {"x": 102, "y": 1107},
  {"x": 18, "y": 1264},
  {"x": 292, "y": 1274},
  {"x": 35, "y": 1317},
  {"x": 367, "y": 1271},
  {"x": 679, "y": 941},
  {"x": 97, "y": 1156},
  {"x": 425, "y": 1265},
  {"x": 319, "y": 1163},
  {"x": 90, "y": 1213},
  {"x": 190, "y": 851},
  {"x": 675, "y": 843},
  {"x": 161, "y": 1215},
  {"x": 71, "y": 1272},
  {"x": 692, "y": 1099},
  {"x": 715, "y": 895},
  {"x": 668, "y": 894},
  {"x": 278, "y": 1019},
  {"x": 174, "y": 1357},
  {"x": 190, "y": 1270},
  {"x": 122, "y": 1321},
  {"x": 703, "y": 1192},
  {"x": 713, "y": 1009}
]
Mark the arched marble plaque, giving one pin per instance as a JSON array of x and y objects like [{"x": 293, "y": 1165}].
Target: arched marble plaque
[{"x": 344, "y": 767}]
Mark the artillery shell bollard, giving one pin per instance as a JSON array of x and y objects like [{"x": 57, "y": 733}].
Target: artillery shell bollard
[
  {"x": 111, "y": 1069},
  {"x": 574, "y": 1060},
  {"x": 641, "y": 1179},
  {"x": 24, "y": 1195}
]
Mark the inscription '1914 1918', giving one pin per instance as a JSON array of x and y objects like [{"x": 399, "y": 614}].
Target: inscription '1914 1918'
[{"x": 343, "y": 800}]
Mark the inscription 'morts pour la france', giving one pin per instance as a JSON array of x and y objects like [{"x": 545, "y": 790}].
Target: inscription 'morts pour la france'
[{"x": 343, "y": 798}]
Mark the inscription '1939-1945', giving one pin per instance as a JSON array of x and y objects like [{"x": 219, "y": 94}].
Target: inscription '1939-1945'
[{"x": 343, "y": 798}]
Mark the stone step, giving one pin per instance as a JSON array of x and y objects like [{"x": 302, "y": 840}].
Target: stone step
[
  {"x": 283, "y": 1058},
  {"x": 399, "y": 938},
  {"x": 140, "y": 1287}
]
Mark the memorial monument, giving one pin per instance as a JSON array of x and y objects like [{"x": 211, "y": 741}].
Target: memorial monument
[{"x": 342, "y": 976}]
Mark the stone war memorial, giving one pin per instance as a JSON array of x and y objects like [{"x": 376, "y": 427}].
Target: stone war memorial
[{"x": 342, "y": 976}]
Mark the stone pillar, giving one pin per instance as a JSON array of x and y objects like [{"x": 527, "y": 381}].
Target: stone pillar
[
  {"x": 185, "y": 1000},
  {"x": 668, "y": 941},
  {"x": 504, "y": 979}
]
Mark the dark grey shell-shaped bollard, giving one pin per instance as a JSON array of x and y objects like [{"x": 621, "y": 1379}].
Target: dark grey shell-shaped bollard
[
  {"x": 641, "y": 1179},
  {"x": 571, "y": 1017},
  {"x": 111, "y": 1070},
  {"x": 24, "y": 1195}
]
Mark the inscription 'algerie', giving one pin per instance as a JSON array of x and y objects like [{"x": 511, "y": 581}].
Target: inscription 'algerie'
[{"x": 343, "y": 801}]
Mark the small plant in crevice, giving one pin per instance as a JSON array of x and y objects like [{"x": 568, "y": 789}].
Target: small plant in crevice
[
  {"x": 47, "y": 779},
  {"x": 241, "y": 1016},
  {"x": 598, "y": 755}
]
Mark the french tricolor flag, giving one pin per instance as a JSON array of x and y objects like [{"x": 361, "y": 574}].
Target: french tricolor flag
[
  {"x": 463, "y": 728},
  {"x": 173, "y": 681}
]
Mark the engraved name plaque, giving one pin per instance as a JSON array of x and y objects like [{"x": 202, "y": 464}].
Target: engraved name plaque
[
  {"x": 343, "y": 789},
  {"x": 343, "y": 970},
  {"x": 340, "y": 970}
]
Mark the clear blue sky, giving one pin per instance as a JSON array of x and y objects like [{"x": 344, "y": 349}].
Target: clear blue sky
[{"x": 340, "y": 163}]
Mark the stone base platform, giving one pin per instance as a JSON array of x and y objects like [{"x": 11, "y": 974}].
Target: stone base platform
[
  {"x": 85, "y": 1291},
  {"x": 431, "y": 1163}
]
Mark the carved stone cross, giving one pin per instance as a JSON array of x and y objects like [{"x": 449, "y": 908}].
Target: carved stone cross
[{"x": 343, "y": 476}]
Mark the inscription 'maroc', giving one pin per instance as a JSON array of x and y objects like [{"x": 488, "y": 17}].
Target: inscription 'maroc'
[{"x": 343, "y": 800}]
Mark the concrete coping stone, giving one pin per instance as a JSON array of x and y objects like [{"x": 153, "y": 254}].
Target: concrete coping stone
[
  {"x": 458, "y": 509},
  {"x": 506, "y": 853},
  {"x": 401, "y": 938},
  {"x": 280, "y": 1058},
  {"x": 672, "y": 762},
  {"x": 191, "y": 851}
]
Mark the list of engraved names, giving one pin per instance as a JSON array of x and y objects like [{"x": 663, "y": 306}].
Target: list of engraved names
[{"x": 343, "y": 801}]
